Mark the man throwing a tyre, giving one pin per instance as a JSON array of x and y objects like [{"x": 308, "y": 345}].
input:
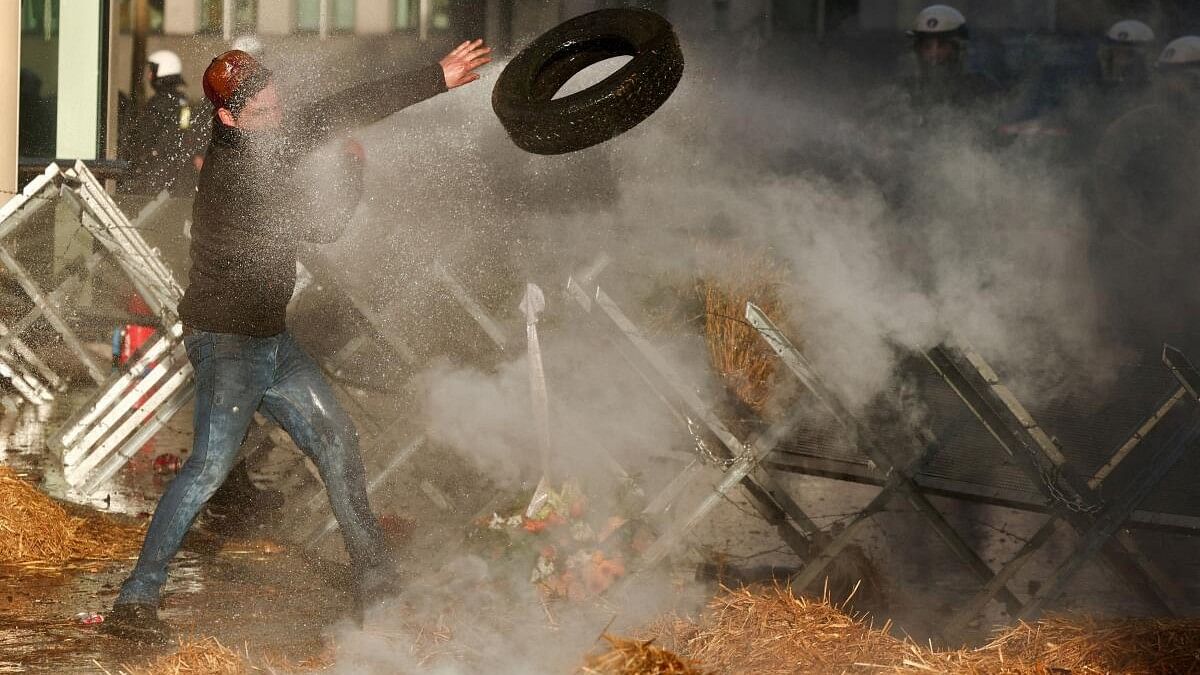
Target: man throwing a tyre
[{"x": 249, "y": 218}]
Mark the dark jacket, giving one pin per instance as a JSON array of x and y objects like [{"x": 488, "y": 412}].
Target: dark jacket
[
  {"x": 250, "y": 215},
  {"x": 956, "y": 92},
  {"x": 156, "y": 143}
]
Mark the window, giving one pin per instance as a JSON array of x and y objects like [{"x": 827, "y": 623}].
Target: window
[
  {"x": 308, "y": 15},
  {"x": 125, "y": 16},
  {"x": 341, "y": 15},
  {"x": 63, "y": 81},
  {"x": 38, "y": 100},
  {"x": 407, "y": 13},
  {"x": 245, "y": 16},
  {"x": 440, "y": 19},
  {"x": 40, "y": 17}
]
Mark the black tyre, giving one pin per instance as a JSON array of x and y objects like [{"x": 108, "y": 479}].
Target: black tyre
[{"x": 523, "y": 96}]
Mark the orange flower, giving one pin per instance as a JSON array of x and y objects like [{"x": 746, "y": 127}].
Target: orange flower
[{"x": 602, "y": 573}]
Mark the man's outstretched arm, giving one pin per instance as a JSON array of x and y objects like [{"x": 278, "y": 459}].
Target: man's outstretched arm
[{"x": 370, "y": 102}]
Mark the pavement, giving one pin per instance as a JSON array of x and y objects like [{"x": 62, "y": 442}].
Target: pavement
[{"x": 275, "y": 602}]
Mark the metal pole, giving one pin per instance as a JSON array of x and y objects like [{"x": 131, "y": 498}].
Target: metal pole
[
  {"x": 323, "y": 19},
  {"x": 111, "y": 96},
  {"x": 23, "y": 206},
  {"x": 54, "y": 298},
  {"x": 767, "y": 498},
  {"x": 19, "y": 382},
  {"x": 228, "y": 19},
  {"x": 39, "y": 299},
  {"x": 21, "y": 349},
  {"x": 742, "y": 467},
  {"x": 137, "y": 67},
  {"x": 1137, "y": 437},
  {"x": 470, "y": 305},
  {"x": 424, "y": 17},
  {"x": 976, "y": 605},
  {"x": 65, "y": 438},
  {"x": 164, "y": 410},
  {"x": 95, "y": 449}
]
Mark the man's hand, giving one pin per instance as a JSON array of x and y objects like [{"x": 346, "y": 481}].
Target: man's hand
[{"x": 459, "y": 65}]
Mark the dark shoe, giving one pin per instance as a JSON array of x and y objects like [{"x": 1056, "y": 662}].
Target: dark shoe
[{"x": 137, "y": 623}]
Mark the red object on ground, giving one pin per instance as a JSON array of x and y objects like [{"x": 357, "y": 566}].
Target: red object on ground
[
  {"x": 167, "y": 463},
  {"x": 135, "y": 335},
  {"x": 89, "y": 618}
]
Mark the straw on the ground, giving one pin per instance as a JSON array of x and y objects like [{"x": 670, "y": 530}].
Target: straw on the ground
[
  {"x": 769, "y": 631},
  {"x": 38, "y": 530}
]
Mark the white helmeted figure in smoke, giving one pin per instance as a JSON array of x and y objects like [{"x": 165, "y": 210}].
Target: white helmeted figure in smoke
[
  {"x": 1125, "y": 55},
  {"x": 1143, "y": 184},
  {"x": 939, "y": 40}
]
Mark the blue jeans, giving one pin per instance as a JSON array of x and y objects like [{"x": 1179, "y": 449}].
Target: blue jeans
[{"x": 235, "y": 376}]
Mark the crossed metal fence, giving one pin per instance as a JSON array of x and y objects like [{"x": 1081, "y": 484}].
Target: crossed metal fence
[
  {"x": 133, "y": 404},
  {"x": 867, "y": 455},
  {"x": 105, "y": 432}
]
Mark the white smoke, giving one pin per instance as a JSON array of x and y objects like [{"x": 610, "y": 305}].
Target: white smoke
[{"x": 984, "y": 246}]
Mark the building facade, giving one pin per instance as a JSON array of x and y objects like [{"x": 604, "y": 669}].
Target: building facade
[{"x": 70, "y": 58}]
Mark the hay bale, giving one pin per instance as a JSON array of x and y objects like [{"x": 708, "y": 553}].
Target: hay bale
[
  {"x": 736, "y": 350},
  {"x": 38, "y": 530},
  {"x": 671, "y": 632},
  {"x": 769, "y": 630},
  {"x": 203, "y": 655},
  {"x": 638, "y": 657},
  {"x": 1084, "y": 645}
]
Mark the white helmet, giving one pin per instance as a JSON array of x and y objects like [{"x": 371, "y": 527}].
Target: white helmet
[
  {"x": 1130, "y": 32},
  {"x": 248, "y": 43},
  {"x": 1184, "y": 51},
  {"x": 939, "y": 19},
  {"x": 165, "y": 62}
]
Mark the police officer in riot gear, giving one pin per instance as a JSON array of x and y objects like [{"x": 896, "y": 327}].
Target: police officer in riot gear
[
  {"x": 158, "y": 142},
  {"x": 1125, "y": 56},
  {"x": 1143, "y": 192},
  {"x": 939, "y": 36}
]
